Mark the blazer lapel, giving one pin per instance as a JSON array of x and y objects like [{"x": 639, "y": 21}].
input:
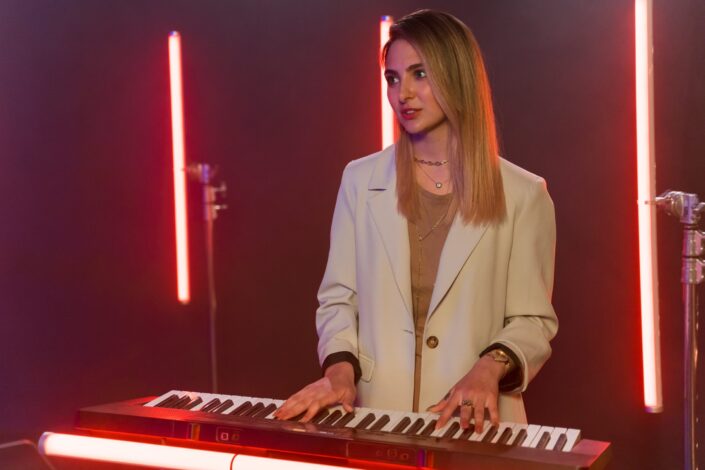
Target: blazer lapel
[
  {"x": 460, "y": 243},
  {"x": 390, "y": 224}
]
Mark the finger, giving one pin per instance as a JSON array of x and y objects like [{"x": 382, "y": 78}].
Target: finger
[
  {"x": 465, "y": 416},
  {"x": 313, "y": 408},
  {"x": 447, "y": 411},
  {"x": 479, "y": 413},
  {"x": 494, "y": 410},
  {"x": 347, "y": 406},
  {"x": 438, "y": 406}
]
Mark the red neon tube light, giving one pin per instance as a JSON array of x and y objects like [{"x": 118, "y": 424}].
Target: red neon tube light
[
  {"x": 179, "y": 157},
  {"x": 651, "y": 353},
  {"x": 386, "y": 110},
  {"x": 162, "y": 456}
]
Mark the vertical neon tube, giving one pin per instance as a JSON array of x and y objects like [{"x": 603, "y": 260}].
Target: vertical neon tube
[
  {"x": 386, "y": 110},
  {"x": 179, "y": 152},
  {"x": 651, "y": 353}
]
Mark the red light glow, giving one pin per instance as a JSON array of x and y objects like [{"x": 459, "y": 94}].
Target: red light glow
[
  {"x": 161, "y": 456},
  {"x": 651, "y": 354},
  {"x": 179, "y": 152},
  {"x": 386, "y": 109}
]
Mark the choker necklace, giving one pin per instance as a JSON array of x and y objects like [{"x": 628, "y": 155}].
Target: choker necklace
[
  {"x": 438, "y": 184},
  {"x": 430, "y": 163}
]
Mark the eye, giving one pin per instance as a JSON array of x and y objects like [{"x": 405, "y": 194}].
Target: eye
[
  {"x": 420, "y": 73},
  {"x": 391, "y": 79}
]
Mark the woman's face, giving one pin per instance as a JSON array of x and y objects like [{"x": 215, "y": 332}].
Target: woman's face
[{"x": 409, "y": 91}]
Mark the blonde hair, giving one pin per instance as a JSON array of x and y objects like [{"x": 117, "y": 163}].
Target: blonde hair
[{"x": 457, "y": 76}]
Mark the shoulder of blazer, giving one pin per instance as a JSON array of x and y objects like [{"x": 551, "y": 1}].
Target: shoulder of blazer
[
  {"x": 518, "y": 182},
  {"x": 374, "y": 172}
]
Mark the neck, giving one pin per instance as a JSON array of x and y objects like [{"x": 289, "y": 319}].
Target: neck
[{"x": 433, "y": 145}]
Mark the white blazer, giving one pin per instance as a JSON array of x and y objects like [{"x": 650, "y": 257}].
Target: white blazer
[{"x": 493, "y": 285}]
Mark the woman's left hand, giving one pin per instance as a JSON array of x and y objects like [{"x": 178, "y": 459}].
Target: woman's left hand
[{"x": 477, "y": 390}]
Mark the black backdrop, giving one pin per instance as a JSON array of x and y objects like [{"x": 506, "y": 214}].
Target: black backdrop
[{"x": 281, "y": 95}]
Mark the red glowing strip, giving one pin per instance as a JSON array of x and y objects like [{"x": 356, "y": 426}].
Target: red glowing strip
[
  {"x": 386, "y": 109},
  {"x": 179, "y": 150},
  {"x": 651, "y": 354},
  {"x": 161, "y": 456}
]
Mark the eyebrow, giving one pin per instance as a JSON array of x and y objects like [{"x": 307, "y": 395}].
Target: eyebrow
[{"x": 408, "y": 69}]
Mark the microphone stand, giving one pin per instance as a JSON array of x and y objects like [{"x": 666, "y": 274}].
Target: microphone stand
[
  {"x": 688, "y": 209},
  {"x": 204, "y": 174}
]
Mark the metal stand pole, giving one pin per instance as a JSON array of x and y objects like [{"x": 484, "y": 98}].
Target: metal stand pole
[
  {"x": 205, "y": 173},
  {"x": 688, "y": 209}
]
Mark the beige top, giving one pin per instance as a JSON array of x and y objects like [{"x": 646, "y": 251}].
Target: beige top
[{"x": 426, "y": 239}]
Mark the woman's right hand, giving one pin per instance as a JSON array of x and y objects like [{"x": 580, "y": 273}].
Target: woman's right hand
[{"x": 336, "y": 387}]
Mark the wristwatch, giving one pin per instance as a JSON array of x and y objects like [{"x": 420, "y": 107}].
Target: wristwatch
[{"x": 498, "y": 355}]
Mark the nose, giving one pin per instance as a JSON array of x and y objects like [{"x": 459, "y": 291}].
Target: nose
[{"x": 406, "y": 90}]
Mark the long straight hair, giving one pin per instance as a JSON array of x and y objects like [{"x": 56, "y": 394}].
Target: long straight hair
[{"x": 457, "y": 76}]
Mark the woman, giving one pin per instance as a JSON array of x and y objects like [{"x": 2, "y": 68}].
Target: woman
[{"x": 437, "y": 290}]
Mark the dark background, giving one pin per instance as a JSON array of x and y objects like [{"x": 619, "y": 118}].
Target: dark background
[{"x": 281, "y": 95}]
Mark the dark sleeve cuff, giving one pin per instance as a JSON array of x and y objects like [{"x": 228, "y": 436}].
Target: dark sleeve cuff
[
  {"x": 343, "y": 356},
  {"x": 514, "y": 379}
]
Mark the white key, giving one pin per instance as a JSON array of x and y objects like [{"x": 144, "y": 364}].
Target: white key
[
  {"x": 517, "y": 429},
  {"x": 539, "y": 435},
  {"x": 360, "y": 414},
  {"x": 237, "y": 401},
  {"x": 554, "y": 437},
  {"x": 531, "y": 431},
  {"x": 573, "y": 436},
  {"x": 163, "y": 397},
  {"x": 394, "y": 418},
  {"x": 477, "y": 437},
  {"x": 441, "y": 431}
]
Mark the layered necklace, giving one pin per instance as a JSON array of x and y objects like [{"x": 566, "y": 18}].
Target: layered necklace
[{"x": 437, "y": 184}]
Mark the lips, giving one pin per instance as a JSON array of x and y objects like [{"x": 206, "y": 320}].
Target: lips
[{"x": 409, "y": 113}]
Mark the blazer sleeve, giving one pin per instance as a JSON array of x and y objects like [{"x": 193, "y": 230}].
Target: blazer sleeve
[
  {"x": 336, "y": 317},
  {"x": 530, "y": 321}
]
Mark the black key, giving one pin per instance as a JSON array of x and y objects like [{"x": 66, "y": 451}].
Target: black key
[
  {"x": 168, "y": 400},
  {"x": 223, "y": 406},
  {"x": 344, "y": 420},
  {"x": 366, "y": 421},
  {"x": 504, "y": 438},
  {"x": 265, "y": 411},
  {"x": 402, "y": 424},
  {"x": 467, "y": 433},
  {"x": 334, "y": 416},
  {"x": 452, "y": 429},
  {"x": 490, "y": 434},
  {"x": 258, "y": 406},
  {"x": 210, "y": 405},
  {"x": 545, "y": 437},
  {"x": 320, "y": 415},
  {"x": 241, "y": 409},
  {"x": 380, "y": 423},
  {"x": 414, "y": 428},
  {"x": 521, "y": 437},
  {"x": 194, "y": 403},
  {"x": 561, "y": 442},
  {"x": 430, "y": 427},
  {"x": 181, "y": 402}
]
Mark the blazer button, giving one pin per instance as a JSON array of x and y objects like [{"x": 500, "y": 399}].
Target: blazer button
[{"x": 432, "y": 342}]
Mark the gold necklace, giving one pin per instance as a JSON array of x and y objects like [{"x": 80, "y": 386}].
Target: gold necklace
[
  {"x": 438, "y": 184},
  {"x": 435, "y": 225}
]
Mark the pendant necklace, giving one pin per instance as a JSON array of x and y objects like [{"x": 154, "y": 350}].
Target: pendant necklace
[{"x": 437, "y": 184}]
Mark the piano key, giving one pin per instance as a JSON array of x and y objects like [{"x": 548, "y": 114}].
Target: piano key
[
  {"x": 490, "y": 434},
  {"x": 478, "y": 436},
  {"x": 345, "y": 420},
  {"x": 450, "y": 429},
  {"x": 555, "y": 435},
  {"x": 542, "y": 437},
  {"x": 167, "y": 401},
  {"x": 266, "y": 411},
  {"x": 256, "y": 407},
  {"x": 519, "y": 436},
  {"x": 560, "y": 443},
  {"x": 402, "y": 424},
  {"x": 531, "y": 432},
  {"x": 572, "y": 438},
  {"x": 430, "y": 427},
  {"x": 223, "y": 406},
  {"x": 366, "y": 421},
  {"x": 210, "y": 405},
  {"x": 194, "y": 403},
  {"x": 181, "y": 402},
  {"x": 504, "y": 433},
  {"x": 241, "y": 409},
  {"x": 417, "y": 425},
  {"x": 332, "y": 418},
  {"x": 380, "y": 423},
  {"x": 322, "y": 413}
]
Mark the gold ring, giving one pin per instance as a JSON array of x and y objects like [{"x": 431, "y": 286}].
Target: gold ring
[{"x": 466, "y": 403}]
